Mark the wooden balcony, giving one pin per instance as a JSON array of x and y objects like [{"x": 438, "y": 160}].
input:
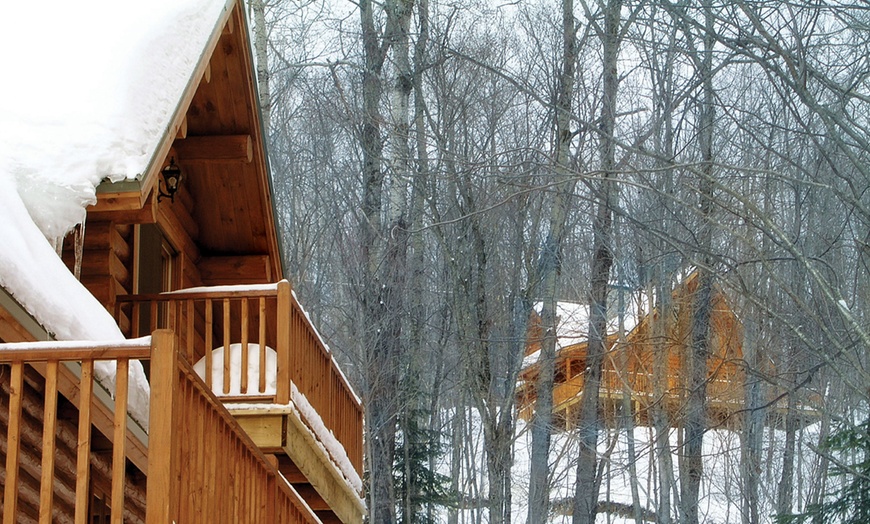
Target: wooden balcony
[
  {"x": 725, "y": 399},
  {"x": 299, "y": 406},
  {"x": 72, "y": 454}
]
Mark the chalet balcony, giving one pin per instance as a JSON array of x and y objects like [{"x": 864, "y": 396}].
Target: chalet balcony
[
  {"x": 274, "y": 443},
  {"x": 73, "y": 454},
  {"x": 618, "y": 389},
  {"x": 297, "y": 406}
]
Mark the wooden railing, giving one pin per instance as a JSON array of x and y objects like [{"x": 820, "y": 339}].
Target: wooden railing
[
  {"x": 720, "y": 391},
  {"x": 202, "y": 466},
  {"x": 268, "y": 316},
  {"x": 41, "y": 444}
]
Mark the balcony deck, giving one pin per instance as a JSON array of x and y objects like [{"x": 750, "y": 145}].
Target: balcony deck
[
  {"x": 71, "y": 453},
  {"x": 303, "y": 411}
]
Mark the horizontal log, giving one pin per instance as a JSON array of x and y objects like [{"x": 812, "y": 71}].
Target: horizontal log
[
  {"x": 140, "y": 213},
  {"x": 117, "y": 201},
  {"x": 99, "y": 262},
  {"x": 215, "y": 148},
  {"x": 249, "y": 269},
  {"x": 104, "y": 288}
]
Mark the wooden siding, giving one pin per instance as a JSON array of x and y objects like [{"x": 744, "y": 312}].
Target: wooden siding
[{"x": 107, "y": 259}]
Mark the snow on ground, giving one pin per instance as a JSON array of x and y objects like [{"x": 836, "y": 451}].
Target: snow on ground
[{"x": 720, "y": 499}]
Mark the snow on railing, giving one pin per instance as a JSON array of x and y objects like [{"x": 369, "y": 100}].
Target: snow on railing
[
  {"x": 266, "y": 319},
  {"x": 42, "y": 378}
]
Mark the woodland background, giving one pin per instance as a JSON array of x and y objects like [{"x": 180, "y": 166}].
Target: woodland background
[{"x": 442, "y": 166}]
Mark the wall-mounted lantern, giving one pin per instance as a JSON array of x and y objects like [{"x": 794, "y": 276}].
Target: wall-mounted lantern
[{"x": 171, "y": 181}]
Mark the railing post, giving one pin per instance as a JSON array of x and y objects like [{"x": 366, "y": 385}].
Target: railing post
[
  {"x": 161, "y": 498},
  {"x": 13, "y": 443},
  {"x": 285, "y": 354}
]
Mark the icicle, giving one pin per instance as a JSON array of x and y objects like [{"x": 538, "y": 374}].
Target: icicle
[{"x": 79, "y": 249}]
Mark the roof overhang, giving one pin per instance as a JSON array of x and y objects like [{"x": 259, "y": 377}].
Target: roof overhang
[{"x": 216, "y": 135}]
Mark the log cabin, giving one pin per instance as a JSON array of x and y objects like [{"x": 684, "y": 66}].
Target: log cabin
[
  {"x": 155, "y": 364},
  {"x": 629, "y": 379}
]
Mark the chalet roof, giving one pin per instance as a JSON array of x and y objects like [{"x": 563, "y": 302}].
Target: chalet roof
[
  {"x": 98, "y": 85},
  {"x": 572, "y": 323},
  {"x": 573, "y": 319}
]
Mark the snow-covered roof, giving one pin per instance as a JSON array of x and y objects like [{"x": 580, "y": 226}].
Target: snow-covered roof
[
  {"x": 573, "y": 320},
  {"x": 90, "y": 91},
  {"x": 573, "y": 323}
]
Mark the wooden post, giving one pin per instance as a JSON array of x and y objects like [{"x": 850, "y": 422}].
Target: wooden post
[
  {"x": 227, "y": 355},
  {"x": 161, "y": 503},
  {"x": 209, "y": 344},
  {"x": 243, "y": 373},
  {"x": 262, "y": 334},
  {"x": 119, "y": 446},
  {"x": 13, "y": 443},
  {"x": 83, "y": 453},
  {"x": 49, "y": 430},
  {"x": 286, "y": 355}
]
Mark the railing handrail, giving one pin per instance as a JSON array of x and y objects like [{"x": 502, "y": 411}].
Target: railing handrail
[
  {"x": 51, "y": 359},
  {"x": 246, "y": 291},
  {"x": 204, "y": 292},
  {"x": 68, "y": 351}
]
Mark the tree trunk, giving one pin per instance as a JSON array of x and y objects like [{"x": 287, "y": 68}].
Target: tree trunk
[
  {"x": 550, "y": 269},
  {"x": 658, "y": 409},
  {"x": 384, "y": 249},
  {"x": 753, "y": 425},
  {"x": 586, "y": 490},
  {"x": 261, "y": 35},
  {"x": 699, "y": 352}
]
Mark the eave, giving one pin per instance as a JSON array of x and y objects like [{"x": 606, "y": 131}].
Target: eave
[{"x": 216, "y": 136}]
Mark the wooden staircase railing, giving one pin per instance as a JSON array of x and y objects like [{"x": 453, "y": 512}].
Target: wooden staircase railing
[{"x": 202, "y": 466}]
